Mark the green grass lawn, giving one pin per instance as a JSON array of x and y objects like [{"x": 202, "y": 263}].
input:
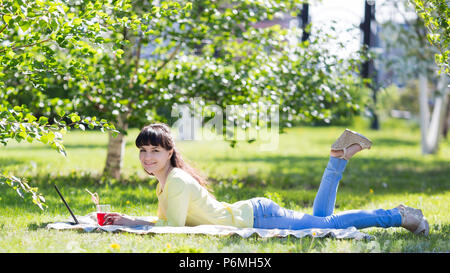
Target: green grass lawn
[{"x": 392, "y": 172}]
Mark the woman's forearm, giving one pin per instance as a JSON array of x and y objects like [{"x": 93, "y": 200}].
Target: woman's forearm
[{"x": 139, "y": 222}]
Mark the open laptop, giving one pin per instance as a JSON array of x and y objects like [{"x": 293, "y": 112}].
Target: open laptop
[{"x": 67, "y": 206}]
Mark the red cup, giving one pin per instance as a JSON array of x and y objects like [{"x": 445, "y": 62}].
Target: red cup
[
  {"x": 102, "y": 210},
  {"x": 101, "y": 218}
]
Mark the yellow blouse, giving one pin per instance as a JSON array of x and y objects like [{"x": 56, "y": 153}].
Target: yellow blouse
[{"x": 184, "y": 202}]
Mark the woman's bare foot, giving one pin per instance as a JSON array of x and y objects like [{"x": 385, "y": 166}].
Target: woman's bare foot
[{"x": 353, "y": 149}]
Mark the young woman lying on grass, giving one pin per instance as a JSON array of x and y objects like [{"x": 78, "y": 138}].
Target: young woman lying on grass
[{"x": 184, "y": 199}]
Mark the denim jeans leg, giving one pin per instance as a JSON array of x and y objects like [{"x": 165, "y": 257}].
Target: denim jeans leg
[
  {"x": 366, "y": 218},
  {"x": 269, "y": 215},
  {"x": 326, "y": 195}
]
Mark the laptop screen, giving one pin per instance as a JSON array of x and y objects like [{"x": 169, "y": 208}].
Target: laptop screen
[{"x": 67, "y": 205}]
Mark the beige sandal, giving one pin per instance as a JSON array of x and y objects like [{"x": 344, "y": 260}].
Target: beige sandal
[
  {"x": 413, "y": 220},
  {"x": 347, "y": 139}
]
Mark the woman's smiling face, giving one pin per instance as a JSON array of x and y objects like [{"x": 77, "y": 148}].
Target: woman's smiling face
[{"x": 154, "y": 158}]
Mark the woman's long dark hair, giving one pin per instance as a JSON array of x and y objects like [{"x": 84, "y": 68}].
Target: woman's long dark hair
[{"x": 158, "y": 134}]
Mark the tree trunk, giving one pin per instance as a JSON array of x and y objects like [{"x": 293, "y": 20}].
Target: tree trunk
[
  {"x": 368, "y": 70},
  {"x": 431, "y": 126},
  {"x": 116, "y": 150},
  {"x": 446, "y": 119}
]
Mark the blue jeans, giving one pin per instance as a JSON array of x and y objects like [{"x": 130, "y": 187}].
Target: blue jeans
[{"x": 267, "y": 214}]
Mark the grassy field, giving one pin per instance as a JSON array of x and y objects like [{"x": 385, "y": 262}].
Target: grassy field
[{"x": 392, "y": 172}]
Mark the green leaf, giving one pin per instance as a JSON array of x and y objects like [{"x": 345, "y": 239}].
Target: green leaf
[
  {"x": 23, "y": 135},
  {"x": 77, "y": 21},
  {"x": 24, "y": 25},
  {"x": 7, "y": 18},
  {"x": 75, "y": 118},
  {"x": 188, "y": 6},
  {"x": 43, "y": 120},
  {"x": 61, "y": 112},
  {"x": 119, "y": 53},
  {"x": 44, "y": 139}
]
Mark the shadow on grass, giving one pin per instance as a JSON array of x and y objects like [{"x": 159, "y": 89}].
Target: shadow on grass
[
  {"x": 296, "y": 177},
  {"x": 386, "y": 174},
  {"x": 48, "y": 148},
  {"x": 36, "y": 226},
  {"x": 393, "y": 142},
  {"x": 378, "y": 141},
  {"x": 4, "y": 162},
  {"x": 73, "y": 187}
]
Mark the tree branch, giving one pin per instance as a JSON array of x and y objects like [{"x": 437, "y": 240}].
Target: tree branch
[
  {"x": 136, "y": 62},
  {"x": 18, "y": 47},
  {"x": 168, "y": 59},
  {"x": 415, "y": 28},
  {"x": 172, "y": 55},
  {"x": 136, "y": 67},
  {"x": 3, "y": 28},
  {"x": 91, "y": 99}
]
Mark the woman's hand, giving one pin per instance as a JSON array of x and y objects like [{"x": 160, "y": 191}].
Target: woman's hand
[
  {"x": 118, "y": 219},
  {"x": 114, "y": 218}
]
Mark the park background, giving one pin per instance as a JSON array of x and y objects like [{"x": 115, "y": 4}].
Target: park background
[{"x": 80, "y": 78}]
